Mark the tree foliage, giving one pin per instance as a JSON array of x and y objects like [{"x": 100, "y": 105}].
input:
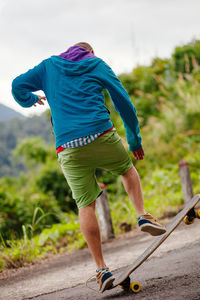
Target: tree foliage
[{"x": 187, "y": 58}]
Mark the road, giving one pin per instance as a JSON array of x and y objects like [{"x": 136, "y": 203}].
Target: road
[
  {"x": 172, "y": 272},
  {"x": 172, "y": 276}
]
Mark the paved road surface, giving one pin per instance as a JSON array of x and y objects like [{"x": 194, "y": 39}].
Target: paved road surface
[
  {"x": 172, "y": 272},
  {"x": 172, "y": 277}
]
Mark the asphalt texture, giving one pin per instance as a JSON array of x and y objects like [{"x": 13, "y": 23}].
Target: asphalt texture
[
  {"x": 174, "y": 276},
  {"x": 172, "y": 272}
]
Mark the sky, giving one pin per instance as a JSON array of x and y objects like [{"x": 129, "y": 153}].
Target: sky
[{"x": 124, "y": 33}]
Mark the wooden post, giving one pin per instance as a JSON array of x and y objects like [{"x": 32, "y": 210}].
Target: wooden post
[
  {"x": 186, "y": 182},
  {"x": 105, "y": 220}
]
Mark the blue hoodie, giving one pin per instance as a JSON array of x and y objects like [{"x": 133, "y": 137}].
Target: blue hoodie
[{"x": 74, "y": 93}]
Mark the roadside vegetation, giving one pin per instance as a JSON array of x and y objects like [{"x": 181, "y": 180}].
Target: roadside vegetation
[{"x": 37, "y": 213}]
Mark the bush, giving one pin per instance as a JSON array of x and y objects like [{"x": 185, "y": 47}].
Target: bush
[
  {"x": 17, "y": 210},
  {"x": 51, "y": 180}
]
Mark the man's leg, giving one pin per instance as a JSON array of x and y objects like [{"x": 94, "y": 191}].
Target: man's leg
[
  {"x": 79, "y": 169},
  {"x": 131, "y": 182},
  {"x": 146, "y": 222},
  {"x": 90, "y": 228}
]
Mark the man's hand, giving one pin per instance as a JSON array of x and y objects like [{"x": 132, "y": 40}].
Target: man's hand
[
  {"x": 138, "y": 154},
  {"x": 40, "y": 102}
]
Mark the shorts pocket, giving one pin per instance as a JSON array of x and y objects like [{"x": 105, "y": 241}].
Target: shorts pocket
[{"x": 110, "y": 138}]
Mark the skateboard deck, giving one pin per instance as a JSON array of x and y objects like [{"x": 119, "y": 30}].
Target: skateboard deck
[{"x": 188, "y": 213}]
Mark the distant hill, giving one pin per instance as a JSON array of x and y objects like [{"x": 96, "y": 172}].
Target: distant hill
[
  {"x": 14, "y": 130},
  {"x": 7, "y": 113}
]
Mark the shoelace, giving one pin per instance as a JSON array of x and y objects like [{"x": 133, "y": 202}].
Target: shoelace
[
  {"x": 148, "y": 216},
  {"x": 101, "y": 272}
]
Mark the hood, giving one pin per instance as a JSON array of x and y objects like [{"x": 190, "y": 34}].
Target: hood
[
  {"x": 76, "y": 53},
  {"x": 75, "y": 61}
]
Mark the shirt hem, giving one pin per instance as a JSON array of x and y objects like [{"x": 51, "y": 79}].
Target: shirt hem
[{"x": 63, "y": 139}]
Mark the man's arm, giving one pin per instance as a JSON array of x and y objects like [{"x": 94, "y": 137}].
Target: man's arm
[
  {"x": 24, "y": 85},
  {"x": 123, "y": 105}
]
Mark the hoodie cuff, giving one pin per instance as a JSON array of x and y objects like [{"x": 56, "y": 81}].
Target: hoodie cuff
[
  {"x": 135, "y": 147},
  {"x": 26, "y": 102}
]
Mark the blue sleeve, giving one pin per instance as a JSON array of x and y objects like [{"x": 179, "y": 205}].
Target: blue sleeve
[
  {"x": 122, "y": 104},
  {"x": 25, "y": 84}
]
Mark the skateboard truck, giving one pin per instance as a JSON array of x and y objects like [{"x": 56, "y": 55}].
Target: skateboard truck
[
  {"x": 191, "y": 215},
  {"x": 127, "y": 285}
]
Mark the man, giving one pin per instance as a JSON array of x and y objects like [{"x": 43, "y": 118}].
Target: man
[{"x": 85, "y": 136}]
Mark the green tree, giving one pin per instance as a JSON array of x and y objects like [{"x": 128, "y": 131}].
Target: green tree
[
  {"x": 187, "y": 57},
  {"x": 32, "y": 151}
]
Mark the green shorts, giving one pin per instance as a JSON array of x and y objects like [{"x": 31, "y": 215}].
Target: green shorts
[{"x": 79, "y": 165}]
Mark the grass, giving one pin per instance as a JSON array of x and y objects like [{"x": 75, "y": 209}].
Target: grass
[{"x": 57, "y": 239}]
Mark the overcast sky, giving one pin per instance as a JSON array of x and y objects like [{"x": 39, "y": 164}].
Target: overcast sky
[{"x": 122, "y": 32}]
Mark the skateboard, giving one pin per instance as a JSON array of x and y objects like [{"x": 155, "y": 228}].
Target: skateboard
[{"x": 188, "y": 214}]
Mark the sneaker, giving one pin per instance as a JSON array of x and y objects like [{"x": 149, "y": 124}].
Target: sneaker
[
  {"x": 104, "y": 278},
  {"x": 148, "y": 224}
]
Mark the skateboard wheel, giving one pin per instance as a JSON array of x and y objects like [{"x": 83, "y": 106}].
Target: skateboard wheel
[
  {"x": 135, "y": 287},
  {"x": 198, "y": 214},
  {"x": 188, "y": 221}
]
